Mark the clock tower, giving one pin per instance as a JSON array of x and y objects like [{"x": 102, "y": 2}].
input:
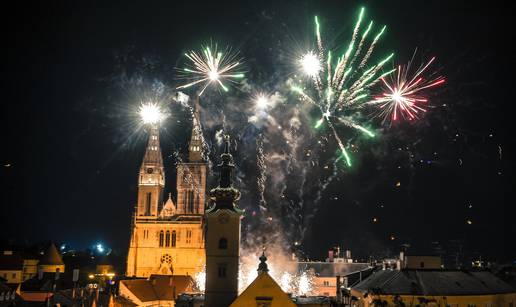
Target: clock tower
[{"x": 223, "y": 238}]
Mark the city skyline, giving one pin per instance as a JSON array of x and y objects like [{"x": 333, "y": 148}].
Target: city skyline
[{"x": 78, "y": 73}]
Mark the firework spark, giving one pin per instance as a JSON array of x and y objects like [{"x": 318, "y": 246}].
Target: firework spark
[
  {"x": 150, "y": 113},
  {"x": 200, "y": 280},
  {"x": 404, "y": 93},
  {"x": 340, "y": 86},
  {"x": 211, "y": 67}
]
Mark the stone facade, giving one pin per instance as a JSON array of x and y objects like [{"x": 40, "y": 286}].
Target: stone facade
[{"x": 167, "y": 239}]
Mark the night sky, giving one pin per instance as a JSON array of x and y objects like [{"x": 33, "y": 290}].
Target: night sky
[{"x": 74, "y": 73}]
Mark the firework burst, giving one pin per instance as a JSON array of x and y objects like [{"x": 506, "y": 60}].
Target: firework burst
[
  {"x": 342, "y": 85},
  {"x": 211, "y": 66},
  {"x": 150, "y": 113},
  {"x": 404, "y": 93}
]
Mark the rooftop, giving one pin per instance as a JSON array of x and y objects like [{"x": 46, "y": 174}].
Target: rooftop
[{"x": 433, "y": 282}]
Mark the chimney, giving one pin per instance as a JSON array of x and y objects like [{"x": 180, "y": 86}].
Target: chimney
[
  {"x": 402, "y": 259},
  {"x": 330, "y": 256},
  {"x": 57, "y": 275},
  {"x": 40, "y": 273},
  {"x": 337, "y": 250},
  {"x": 348, "y": 254}
]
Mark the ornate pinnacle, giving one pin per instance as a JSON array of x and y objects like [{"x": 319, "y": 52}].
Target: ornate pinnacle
[
  {"x": 225, "y": 196},
  {"x": 262, "y": 267}
]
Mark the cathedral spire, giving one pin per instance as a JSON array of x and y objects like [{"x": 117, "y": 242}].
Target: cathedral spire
[
  {"x": 152, "y": 177},
  {"x": 153, "y": 155},
  {"x": 195, "y": 148}
]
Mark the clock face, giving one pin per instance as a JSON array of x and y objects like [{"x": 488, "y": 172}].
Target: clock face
[
  {"x": 149, "y": 170},
  {"x": 223, "y": 218}
]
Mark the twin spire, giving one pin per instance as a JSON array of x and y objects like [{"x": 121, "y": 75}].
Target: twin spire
[
  {"x": 153, "y": 154},
  {"x": 195, "y": 148}
]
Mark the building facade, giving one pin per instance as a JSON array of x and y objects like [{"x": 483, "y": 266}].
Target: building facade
[{"x": 167, "y": 239}]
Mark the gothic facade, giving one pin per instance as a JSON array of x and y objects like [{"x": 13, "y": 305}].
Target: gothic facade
[{"x": 168, "y": 239}]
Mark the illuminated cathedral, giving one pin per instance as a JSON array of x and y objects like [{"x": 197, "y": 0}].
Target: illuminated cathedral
[{"x": 168, "y": 238}]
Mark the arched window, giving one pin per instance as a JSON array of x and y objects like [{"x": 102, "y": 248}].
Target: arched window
[
  {"x": 223, "y": 243},
  {"x": 148, "y": 203},
  {"x": 190, "y": 202},
  {"x": 174, "y": 238},
  {"x": 161, "y": 238},
  {"x": 167, "y": 239}
]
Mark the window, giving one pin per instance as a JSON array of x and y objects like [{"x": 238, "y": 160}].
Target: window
[
  {"x": 263, "y": 301},
  {"x": 326, "y": 283},
  {"x": 14, "y": 275},
  {"x": 190, "y": 201},
  {"x": 174, "y": 238},
  {"x": 223, "y": 243},
  {"x": 167, "y": 239},
  {"x": 222, "y": 270},
  {"x": 422, "y": 264},
  {"x": 188, "y": 236},
  {"x": 148, "y": 203},
  {"x": 161, "y": 238},
  {"x": 166, "y": 258}
]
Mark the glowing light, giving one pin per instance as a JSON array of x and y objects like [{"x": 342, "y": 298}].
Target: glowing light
[
  {"x": 402, "y": 96},
  {"x": 150, "y": 113},
  {"x": 310, "y": 64},
  {"x": 262, "y": 102},
  {"x": 100, "y": 248},
  {"x": 211, "y": 67},
  {"x": 339, "y": 87},
  {"x": 304, "y": 285},
  {"x": 200, "y": 280},
  {"x": 214, "y": 76}
]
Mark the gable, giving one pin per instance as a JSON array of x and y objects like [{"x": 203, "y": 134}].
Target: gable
[{"x": 263, "y": 291}]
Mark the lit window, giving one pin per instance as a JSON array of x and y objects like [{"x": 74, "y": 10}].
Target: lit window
[
  {"x": 167, "y": 239},
  {"x": 326, "y": 283}
]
